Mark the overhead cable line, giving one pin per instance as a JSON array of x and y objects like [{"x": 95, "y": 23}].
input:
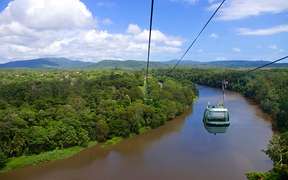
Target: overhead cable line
[
  {"x": 195, "y": 40},
  {"x": 149, "y": 46},
  {"x": 224, "y": 82},
  {"x": 268, "y": 64}
]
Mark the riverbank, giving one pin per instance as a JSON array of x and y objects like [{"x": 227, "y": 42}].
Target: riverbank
[
  {"x": 61, "y": 154},
  {"x": 22, "y": 161},
  {"x": 56, "y": 110}
]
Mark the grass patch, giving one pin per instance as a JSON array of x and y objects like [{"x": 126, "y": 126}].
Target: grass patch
[
  {"x": 132, "y": 135},
  {"x": 92, "y": 143},
  {"x": 113, "y": 141},
  {"x": 22, "y": 161},
  {"x": 144, "y": 129}
]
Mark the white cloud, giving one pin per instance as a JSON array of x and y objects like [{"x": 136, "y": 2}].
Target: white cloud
[
  {"x": 236, "y": 49},
  {"x": 133, "y": 29},
  {"x": 264, "y": 32},
  {"x": 214, "y": 35},
  {"x": 239, "y": 9},
  {"x": 52, "y": 14},
  {"x": 67, "y": 28},
  {"x": 158, "y": 36}
]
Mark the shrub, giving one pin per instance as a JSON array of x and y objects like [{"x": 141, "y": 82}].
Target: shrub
[{"x": 3, "y": 160}]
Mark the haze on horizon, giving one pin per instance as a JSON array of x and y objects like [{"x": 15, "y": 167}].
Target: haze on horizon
[{"x": 94, "y": 30}]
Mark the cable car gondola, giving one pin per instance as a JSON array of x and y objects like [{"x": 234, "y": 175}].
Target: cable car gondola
[{"x": 216, "y": 116}]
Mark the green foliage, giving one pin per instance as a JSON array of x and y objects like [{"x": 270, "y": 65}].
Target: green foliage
[
  {"x": 257, "y": 176},
  {"x": 278, "y": 149},
  {"x": 262, "y": 176},
  {"x": 119, "y": 127},
  {"x": 143, "y": 130},
  {"x": 47, "y": 110},
  {"x": 18, "y": 162},
  {"x": 102, "y": 130},
  {"x": 277, "y": 173},
  {"x": 3, "y": 159},
  {"x": 113, "y": 141}
]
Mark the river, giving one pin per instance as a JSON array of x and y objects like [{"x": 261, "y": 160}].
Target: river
[{"x": 180, "y": 150}]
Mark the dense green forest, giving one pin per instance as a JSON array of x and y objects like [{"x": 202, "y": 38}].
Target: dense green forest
[
  {"x": 47, "y": 110},
  {"x": 269, "y": 88}
]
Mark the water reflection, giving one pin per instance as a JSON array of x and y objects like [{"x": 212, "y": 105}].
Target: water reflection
[{"x": 215, "y": 129}]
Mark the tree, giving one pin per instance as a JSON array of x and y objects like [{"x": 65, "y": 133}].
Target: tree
[
  {"x": 135, "y": 93},
  {"x": 119, "y": 128},
  {"x": 38, "y": 140},
  {"x": 134, "y": 116},
  {"x": 102, "y": 130},
  {"x": 278, "y": 149},
  {"x": 83, "y": 137}
]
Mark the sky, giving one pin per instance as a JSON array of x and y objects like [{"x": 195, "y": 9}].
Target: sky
[{"x": 93, "y": 30}]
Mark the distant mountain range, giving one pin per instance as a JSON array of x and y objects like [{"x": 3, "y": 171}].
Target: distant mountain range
[
  {"x": 59, "y": 63},
  {"x": 129, "y": 64},
  {"x": 63, "y": 63}
]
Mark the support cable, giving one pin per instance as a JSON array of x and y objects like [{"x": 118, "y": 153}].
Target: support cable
[
  {"x": 149, "y": 47},
  {"x": 199, "y": 34},
  {"x": 268, "y": 64}
]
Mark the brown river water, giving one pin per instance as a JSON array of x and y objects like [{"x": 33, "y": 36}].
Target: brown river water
[{"x": 180, "y": 150}]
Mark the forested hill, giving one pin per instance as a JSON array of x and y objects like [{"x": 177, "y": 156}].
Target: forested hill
[
  {"x": 227, "y": 64},
  {"x": 129, "y": 64},
  {"x": 53, "y": 63},
  {"x": 63, "y": 63}
]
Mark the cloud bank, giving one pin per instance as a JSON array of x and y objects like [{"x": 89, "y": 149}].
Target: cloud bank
[
  {"x": 66, "y": 28},
  {"x": 239, "y": 9},
  {"x": 265, "y": 31}
]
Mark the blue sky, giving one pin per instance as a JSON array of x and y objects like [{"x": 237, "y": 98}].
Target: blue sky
[{"x": 116, "y": 29}]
